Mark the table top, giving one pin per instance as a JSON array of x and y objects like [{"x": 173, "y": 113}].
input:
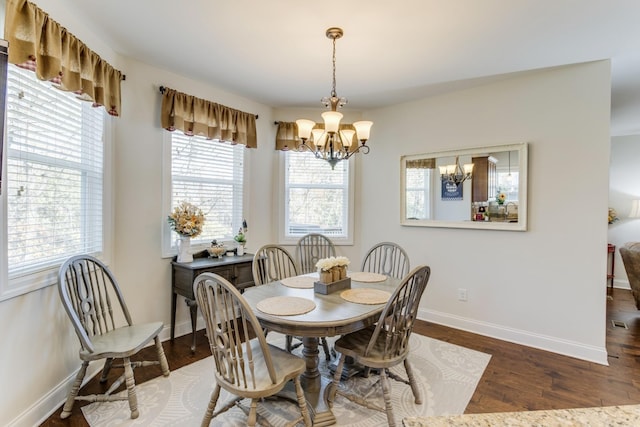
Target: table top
[{"x": 331, "y": 316}]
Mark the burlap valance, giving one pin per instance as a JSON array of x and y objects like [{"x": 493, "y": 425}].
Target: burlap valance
[
  {"x": 195, "y": 116},
  {"x": 287, "y": 136},
  {"x": 38, "y": 43},
  {"x": 421, "y": 164}
]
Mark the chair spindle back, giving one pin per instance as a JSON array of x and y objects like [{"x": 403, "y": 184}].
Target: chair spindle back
[
  {"x": 398, "y": 317},
  {"x": 387, "y": 258},
  {"x": 230, "y": 326},
  {"x": 87, "y": 288},
  {"x": 271, "y": 263},
  {"x": 311, "y": 248}
]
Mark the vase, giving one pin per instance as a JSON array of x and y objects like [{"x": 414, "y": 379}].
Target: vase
[
  {"x": 326, "y": 276},
  {"x": 184, "y": 249}
]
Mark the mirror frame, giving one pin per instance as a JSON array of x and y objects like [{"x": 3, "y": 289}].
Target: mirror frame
[{"x": 521, "y": 225}]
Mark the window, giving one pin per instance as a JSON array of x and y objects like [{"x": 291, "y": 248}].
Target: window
[
  {"x": 316, "y": 198},
  {"x": 508, "y": 183},
  {"x": 418, "y": 183},
  {"x": 208, "y": 174},
  {"x": 53, "y": 193}
]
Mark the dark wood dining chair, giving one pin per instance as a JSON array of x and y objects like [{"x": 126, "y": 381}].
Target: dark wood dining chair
[
  {"x": 386, "y": 344},
  {"x": 387, "y": 258},
  {"x": 94, "y": 302},
  {"x": 271, "y": 263},
  {"x": 311, "y": 248},
  {"x": 245, "y": 364}
]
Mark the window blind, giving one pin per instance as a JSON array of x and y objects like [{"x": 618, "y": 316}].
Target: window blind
[
  {"x": 209, "y": 174},
  {"x": 55, "y": 159},
  {"x": 417, "y": 193},
  {"x": 316, "y": 197}
]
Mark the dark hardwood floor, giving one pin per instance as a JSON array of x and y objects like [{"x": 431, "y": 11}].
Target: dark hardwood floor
[{"x": 517, "y": 378}]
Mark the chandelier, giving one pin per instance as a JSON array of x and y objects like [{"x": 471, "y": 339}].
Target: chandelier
[
  {"x": 332, "y": 143},
  {"x": 456, "y": 173}
]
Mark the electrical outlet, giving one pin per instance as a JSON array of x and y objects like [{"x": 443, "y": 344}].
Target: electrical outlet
[{"x": 462, "y": 294}]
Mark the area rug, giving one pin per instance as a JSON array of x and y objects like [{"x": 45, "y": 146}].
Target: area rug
[{"x": 448, "y": 375}]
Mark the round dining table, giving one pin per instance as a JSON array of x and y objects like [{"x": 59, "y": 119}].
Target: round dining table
[{"x": 329, "y": 315}]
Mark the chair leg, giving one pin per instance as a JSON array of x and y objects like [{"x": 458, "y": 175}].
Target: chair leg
[
  {"x": 71, "y": 397},
  {"x": 325, "y": 347},
  {"x": 386, "y": 391},
  {"x": 288, "y": 347},
  {"x": 412, "y": 382},
  {"x": 208, "y": 414},
  {"x": 333, "y": 388},
  {"x": 253, "y": 413},
  {"x": 105, "y": 369},
  {"x": 302, "y": 402},
  {"x": 161, "y": 357},
  {"x": 131, "y": 388}
]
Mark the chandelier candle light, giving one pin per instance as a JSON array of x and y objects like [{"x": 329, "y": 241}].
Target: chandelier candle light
[
  {"x": 332, "y": 143},
  {"x": 456, "y": 173}
]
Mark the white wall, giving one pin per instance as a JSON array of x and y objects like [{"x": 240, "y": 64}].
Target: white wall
[
  {"x": 624, "y": 186},
  {"x": 543, "y": 287}
]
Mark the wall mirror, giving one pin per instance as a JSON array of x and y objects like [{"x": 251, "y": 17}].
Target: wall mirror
[{"x": 481, "y": 188}]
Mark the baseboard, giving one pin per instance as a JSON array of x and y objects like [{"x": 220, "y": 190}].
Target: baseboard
[
  {"x": 42, "y": 409},
  {"x": 526, "y": 338},
  {"x": 37, "y": 413},
  {"x": 621, "y": 284}
]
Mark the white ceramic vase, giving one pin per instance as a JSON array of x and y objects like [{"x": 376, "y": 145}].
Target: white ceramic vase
[{"x": 184, "y": 249}]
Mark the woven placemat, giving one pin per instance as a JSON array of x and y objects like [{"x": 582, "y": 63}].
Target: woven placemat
[
  {"x": 365, "y": 296},
  {"x": 286, "y": 306},
  {"x": 367, "y": 277},
  {"x": 301, "y": 282}
]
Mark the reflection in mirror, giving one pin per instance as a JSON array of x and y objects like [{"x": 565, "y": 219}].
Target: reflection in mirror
[{"x": 484, "y": 187}]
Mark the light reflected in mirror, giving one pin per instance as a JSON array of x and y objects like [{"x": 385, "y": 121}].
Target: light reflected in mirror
[{"x": 442, "y": 189}]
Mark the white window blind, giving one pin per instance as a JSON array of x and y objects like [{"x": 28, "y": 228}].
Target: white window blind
[
  {"x": 54, "y": 187},
  {"x": 208, "y": 174},
  {"x": 418, "y": 203},
  {"x": 316, "y": 198}
]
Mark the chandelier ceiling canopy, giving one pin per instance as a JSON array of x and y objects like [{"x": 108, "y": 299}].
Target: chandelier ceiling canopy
[{"x": 334, "y": 142}]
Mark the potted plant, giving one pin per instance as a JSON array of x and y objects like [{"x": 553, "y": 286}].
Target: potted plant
[{"x": 240, "y": 238}]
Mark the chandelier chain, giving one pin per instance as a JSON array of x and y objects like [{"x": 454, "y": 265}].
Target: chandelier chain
[{"x": 333, "y": 90}]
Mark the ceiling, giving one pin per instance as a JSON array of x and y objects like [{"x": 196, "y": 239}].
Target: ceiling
[{"x": 275, "y": 52}]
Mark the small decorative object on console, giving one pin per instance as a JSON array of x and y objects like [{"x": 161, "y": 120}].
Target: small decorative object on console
[{"x": 240, "y": 238}]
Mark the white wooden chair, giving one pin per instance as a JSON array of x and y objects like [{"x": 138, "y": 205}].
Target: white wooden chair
[
  {"x": 385, "y": 344},
  {"x": 387, "y": 258},
  {"x": 245, "y": 366},
  {"x": 94, "y": 302},
  {"x": 311, "y": 248},
  {"x": 271, "y": 263}
]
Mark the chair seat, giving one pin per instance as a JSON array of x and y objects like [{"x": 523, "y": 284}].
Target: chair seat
[
  {"x": 355, "y": 344},
  {"x": 286, "y": 367},
  {"x": 122, "y": 342}
]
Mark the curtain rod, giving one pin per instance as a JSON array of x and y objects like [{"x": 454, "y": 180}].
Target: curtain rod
[{"x": 163, "y": 89}]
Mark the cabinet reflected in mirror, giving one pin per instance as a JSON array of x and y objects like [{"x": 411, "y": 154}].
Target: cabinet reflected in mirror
[{"x": 483, "y": 187}]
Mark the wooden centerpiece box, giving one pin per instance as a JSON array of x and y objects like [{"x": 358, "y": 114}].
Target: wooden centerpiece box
[{"x": 327, "y": 288}]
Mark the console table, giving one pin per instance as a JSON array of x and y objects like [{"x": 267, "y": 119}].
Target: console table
[{"x": 236, "y": 269}]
